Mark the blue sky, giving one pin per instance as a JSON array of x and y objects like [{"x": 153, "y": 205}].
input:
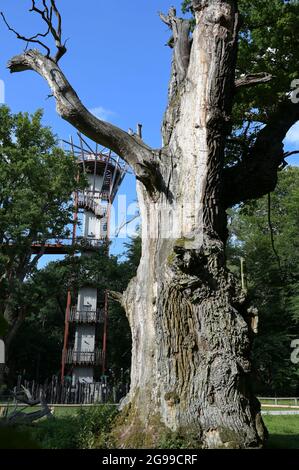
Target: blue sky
[{"x": 117, "y": 61}]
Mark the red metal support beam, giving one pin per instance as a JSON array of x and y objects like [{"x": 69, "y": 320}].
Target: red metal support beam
[
  {"x": 105, "y": 334},
  {"x": 66, "y": 334}
]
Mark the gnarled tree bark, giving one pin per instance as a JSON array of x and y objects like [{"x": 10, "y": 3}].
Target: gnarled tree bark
[
  {"x": 191, "y": 326},
  {"x": 191, "y": 349}
]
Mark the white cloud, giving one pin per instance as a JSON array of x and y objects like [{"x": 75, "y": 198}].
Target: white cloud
[
  {"x": 102, "y": 113},
  {"x": 292, "y": 136}
]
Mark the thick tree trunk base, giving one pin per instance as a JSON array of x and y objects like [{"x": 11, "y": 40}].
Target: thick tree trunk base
[
  {"x": 129, "y": 432},
  {"x": 191, "y": 366}
]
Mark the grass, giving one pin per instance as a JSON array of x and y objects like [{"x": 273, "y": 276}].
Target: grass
[
  {"x": 283, "y": 430},
  {"x": 75, "y": 428},
  {"x": 88, "y": 427},
  {"x": 59, "y": 410}
]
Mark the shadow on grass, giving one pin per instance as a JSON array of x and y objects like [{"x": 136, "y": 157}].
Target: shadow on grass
[
  {"x": 11, "y": 438},
  {"x": 283, "y": 441}
]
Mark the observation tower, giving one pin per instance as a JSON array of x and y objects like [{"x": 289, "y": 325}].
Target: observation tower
[{"x": 85, "y": 336}]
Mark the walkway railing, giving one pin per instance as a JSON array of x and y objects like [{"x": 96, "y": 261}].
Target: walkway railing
[
  {"x": 84, "y": 357},
  {"x": 87, "y": 316}
]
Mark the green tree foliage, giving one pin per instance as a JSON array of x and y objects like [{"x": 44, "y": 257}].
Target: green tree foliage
[
  {"x": 273, "y": 279},
  {"x": 119, "y": 333},
  {"x": 36, "y": 181},
  {"x": 36, "y": 348},
  {"x": 268, "y": 42}
]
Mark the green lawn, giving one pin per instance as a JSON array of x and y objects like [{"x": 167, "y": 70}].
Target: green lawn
[
  {"x": 59, "y": 410},
  {"x": 283, "y": 430}
]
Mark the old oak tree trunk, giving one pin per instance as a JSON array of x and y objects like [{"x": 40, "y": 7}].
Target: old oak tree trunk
[{"x": 191, "y": 326}]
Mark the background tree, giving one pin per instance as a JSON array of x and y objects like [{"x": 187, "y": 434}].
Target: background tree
[
  {"x": 268, "y": 52},
  {"x": 119, "y": 334},
  {"x": 270, "y": 247},
  {"x": 190, "y": 321},
  {"x": 36, "y": 182}
]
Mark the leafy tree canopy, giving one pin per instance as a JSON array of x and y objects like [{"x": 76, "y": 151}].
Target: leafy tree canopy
[
  {"x": 268, "y": 42},
  {"x": 36, "y": 182},
  {"x": 270, "y": 247}
]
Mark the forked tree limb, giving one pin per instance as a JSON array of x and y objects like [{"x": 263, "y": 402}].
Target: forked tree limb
[
  {"x": 47, "y": 16},
  {"x": 116, "y": 296},
  {"x": 256, "y": 174},
  {"x": 32, "y": 39},
  {"x": 140, "y": 157}
]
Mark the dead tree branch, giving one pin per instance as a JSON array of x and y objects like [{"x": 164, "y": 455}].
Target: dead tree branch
[
  {"x": 125, "y": 223},
  {"x": 56, "y": 32},
  {"x": 289, "y": 154},
  {"x": 140, "y": 157},
  {"x": 32, "y": 39},
  {"x": 47, "y": 16},
  {"x": 180, "y": 41},
  {"x": 253, "y": 79},
  {"x": 19, "y": 417},
  {"x": 116, "y": 296}
]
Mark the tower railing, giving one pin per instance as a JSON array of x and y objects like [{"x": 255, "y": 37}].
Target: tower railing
[
  {"x": 75, "y": 357},
  {"x": 87, "y": 316},
  {"x": 91, "y": 157},
  {"x": 63, "y": 245}
]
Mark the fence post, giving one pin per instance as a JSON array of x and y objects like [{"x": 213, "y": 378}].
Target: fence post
[
  {"x": 114, "y": 395},
  {"x": 19, "y": 382}
]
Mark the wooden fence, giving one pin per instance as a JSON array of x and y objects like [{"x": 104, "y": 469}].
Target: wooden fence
[
  {"x": 67, "y": 393},
  {"x": 280, "y": 400}
]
